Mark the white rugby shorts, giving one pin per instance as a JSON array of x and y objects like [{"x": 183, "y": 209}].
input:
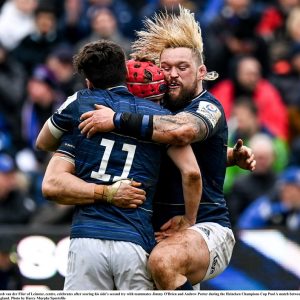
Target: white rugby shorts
[
  {"x": 220, "y": 242},
  {"x": 95, "y": 264}
]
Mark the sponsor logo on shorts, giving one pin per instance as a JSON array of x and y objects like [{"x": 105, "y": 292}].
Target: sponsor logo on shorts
[
  {"x": 213, "y": 266},
  {"x": 206, "y": 231}
]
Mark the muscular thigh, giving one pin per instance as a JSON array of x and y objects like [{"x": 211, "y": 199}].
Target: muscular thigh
[{"x": 186, "y": 252}]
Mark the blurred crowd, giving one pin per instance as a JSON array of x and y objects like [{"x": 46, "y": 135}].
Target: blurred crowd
[{"x": 254, "y": 45}]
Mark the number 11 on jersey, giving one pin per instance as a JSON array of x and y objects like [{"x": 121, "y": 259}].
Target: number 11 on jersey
[{"x": 109, "y": 144}]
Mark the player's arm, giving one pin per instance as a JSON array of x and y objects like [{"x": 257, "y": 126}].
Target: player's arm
[
  {"x": 47, "y": 140},
  {"x": 180, "y": 129},
  {"x": 185, "y": 160},
  {"x": 62, "y": 186}
]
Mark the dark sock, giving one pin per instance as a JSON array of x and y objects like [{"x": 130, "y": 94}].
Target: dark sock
[{"x": 186, "y": 286}]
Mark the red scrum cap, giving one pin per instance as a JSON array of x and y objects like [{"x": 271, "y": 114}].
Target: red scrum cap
[{"x": 145, "y": 79}]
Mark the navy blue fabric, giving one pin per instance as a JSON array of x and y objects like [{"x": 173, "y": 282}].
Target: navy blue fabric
[
  {"x": 211, "y": 155},
  {"x": 103, "y": 158}
]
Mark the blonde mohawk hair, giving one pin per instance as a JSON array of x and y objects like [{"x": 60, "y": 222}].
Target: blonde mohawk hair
[{"x": 169, "y": 31}]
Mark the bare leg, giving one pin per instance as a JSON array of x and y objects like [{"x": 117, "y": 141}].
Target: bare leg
[{"x": 183, "y": 256}]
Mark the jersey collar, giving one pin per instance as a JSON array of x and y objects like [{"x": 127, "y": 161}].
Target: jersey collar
[
  {"x": 117, "y": 88},
  {"x": 200, "y": 95}
]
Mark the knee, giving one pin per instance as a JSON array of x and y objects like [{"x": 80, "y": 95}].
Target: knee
[
  {"x": 162, "y": 270},
  {"x": 157, "y": 263},
  {"x": 165, "y": 269}
]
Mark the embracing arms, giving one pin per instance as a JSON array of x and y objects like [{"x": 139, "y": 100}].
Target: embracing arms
[
  {"x": 61, "y": 186},
  {"x": 180, "y": 129}
]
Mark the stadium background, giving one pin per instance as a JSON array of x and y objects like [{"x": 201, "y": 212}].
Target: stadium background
[{"x": 42, "y": 256}]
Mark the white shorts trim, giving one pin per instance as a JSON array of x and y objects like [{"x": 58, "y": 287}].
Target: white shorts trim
[{"x": 220, "y": 242}]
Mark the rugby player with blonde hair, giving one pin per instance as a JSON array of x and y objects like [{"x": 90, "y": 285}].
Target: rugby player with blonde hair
[
  {"x": 185, "y": 258},
  {"x": 111, "y": 232}
]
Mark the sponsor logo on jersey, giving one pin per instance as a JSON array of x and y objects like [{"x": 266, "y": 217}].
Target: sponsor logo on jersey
[
  {"x": 69, "y": 145},
  {"x": 210, "y": 111}
]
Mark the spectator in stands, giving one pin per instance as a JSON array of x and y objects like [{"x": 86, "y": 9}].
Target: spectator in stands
[
  {"x": 294, "y": 114},
  {"x": 279, "y": 26},
  {"x": 295, "y": 152},
  {"x": 60, "y": 64},
  {"x": 153, "y": 7},
  {"x": 74, "y": 22},
  {"x": 11, "y": 74},
  {"x": 287, "y": 79},
  {"x": 5, "y": 135},
  {"x": 35, "y": 47},
  {"x": 247, "y": 80},
  {"x": 272, "y": 23},
  {"x": 281, "y": 207},
  {"x": 15, "y": 206},
  {"x": 210, "y": 10},
  {"x": 16, "y": 21},
  {"x": 104, "y": 26},
  {"x": 127, "y": 17},
  {"x": 293, "y": 25},
  {"x": 244, "y": 124},
  {"x": 286, "y": 71},
  {"x": 42, "y": 100},
  {"x": 231, "y": 34},
  {"x": 248, "y": 187}
]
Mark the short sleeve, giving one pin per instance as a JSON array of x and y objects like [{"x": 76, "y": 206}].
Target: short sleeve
[
  {"x": 65, "y": 118},
  {"x": 208, "y": 112},
  {"x": 68, "y": 145}
]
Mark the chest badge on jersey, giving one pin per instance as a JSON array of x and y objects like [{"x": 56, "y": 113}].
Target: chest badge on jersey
[{"x": 210, "y": 111}]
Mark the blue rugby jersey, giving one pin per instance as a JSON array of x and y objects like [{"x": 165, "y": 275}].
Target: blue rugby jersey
[
  {"x": 211, "y": 155},
  {"x": 106, "y": 158}
]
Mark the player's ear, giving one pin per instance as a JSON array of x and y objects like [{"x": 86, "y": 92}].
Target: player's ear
[
  {"x": 89, "y": 84},
  {"x": 202, "y": 71}
]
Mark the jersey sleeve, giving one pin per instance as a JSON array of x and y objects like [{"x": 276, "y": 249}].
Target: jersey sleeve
[
  {"x": 68, "y": 146},
  {"x": 209, "y": 113},
  {"x": 65, "y": 118}
]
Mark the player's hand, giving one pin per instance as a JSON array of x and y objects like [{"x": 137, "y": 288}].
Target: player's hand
[
  {"x": 172, "y": 226},
  {"x": 243, "y": 156},
  {"x": 129, "y": 195},
  {"x": 98, "y": 120}
]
